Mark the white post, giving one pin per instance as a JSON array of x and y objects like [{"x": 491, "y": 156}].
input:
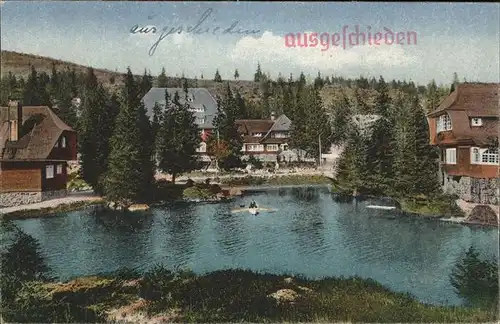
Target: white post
[{"x": 216, "y": 158}]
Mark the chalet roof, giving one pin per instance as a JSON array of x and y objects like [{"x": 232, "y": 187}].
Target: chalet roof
[
  {"x": 40, "y": 130},
  {"x": 472, "y": 100},
  {"x": 249, "y": 126},
  {"x": 198, "y": 98},
  {"x": 475, "y": 99}
]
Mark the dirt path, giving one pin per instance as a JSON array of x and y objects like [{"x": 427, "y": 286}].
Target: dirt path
[{"x": 71, "y": 198}]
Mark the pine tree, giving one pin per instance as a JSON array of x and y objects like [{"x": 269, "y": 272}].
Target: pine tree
[
  {"x": 341, "y": 118},
  {"x": 319, "y": 82},
  {"x": 217, "y": 77},
  {"x": 258, "y": 75},
  {"x": 242, "y": 107},
  {"x": 236, "y": 74},
  {"x": 318, "y": 126},
  {"x": 146, "y": 84},
  {"x": 131, "y": 169},
  {"x": 162, "y": 79},
  {"x": 381, "y": 144},
  {"x": 426, "y": 170},
  {"x": 178, "y": 138},
  {"x": 95, "y": 130},
  {"x": 433, "y": 97},
  {"x": 227, "y": 130},
  {"x": 32, "y": 94}
]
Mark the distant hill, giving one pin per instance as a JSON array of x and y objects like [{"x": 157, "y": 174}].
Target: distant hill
[{"x": 20, "y": 65}]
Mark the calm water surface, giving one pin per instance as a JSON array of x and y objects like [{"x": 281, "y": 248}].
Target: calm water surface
[{"x": 310, "y": 234}]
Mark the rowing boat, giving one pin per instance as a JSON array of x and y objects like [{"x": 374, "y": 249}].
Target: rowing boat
[{"x": 381, "y": 207}]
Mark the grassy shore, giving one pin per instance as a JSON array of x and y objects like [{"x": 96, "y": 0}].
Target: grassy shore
[
  {"x": 51, "y": 211},
  {"x": 283, "y": 180},
  {"x": 226, "y": 296}
]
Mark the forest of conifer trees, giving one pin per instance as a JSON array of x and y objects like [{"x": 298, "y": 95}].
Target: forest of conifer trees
[{"x": 120, "y": 146}]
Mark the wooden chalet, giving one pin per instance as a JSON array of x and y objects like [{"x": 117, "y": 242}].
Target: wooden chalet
[
  {"x": 35, "y": 145},
  {"x": 265, "y": 138},
  {"x": 465, "y": 128}
]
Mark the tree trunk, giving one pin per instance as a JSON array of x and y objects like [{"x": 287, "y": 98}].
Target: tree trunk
[{"x": 173, "y": 178}]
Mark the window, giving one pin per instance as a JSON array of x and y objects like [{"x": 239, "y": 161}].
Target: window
[
  {"x": 257, "y": 134},
  {"x": 202, "y": 148},
  {"x": 490, "y": 156},
  {"x": 451, "y": 156},
  {"x": 49, "y": 171},
  {"x": 272, "y": 147},
  {"x": 200, "y": 121},
  {"x": 280, "y": 135},
  {"x": 57, "y": 143},
  {"x": 477, "y": 122},
  {"x": 284, "y": 147},
  {"x": 63, "y": 141},
  {"x": 476, "y": 155},
  {"x": 443, "y": 123},
  {"x": 255, "y": 147},
  {"x": 59, "y": 169}
]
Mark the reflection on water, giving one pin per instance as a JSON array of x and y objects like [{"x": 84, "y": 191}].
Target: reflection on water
[{"x": 311, "y": 233}]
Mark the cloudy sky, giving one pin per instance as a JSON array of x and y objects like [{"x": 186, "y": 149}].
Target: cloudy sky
[{"x": 462, "y": 38}]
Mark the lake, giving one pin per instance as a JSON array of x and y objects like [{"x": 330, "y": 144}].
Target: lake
[{"x": 309, "y": 234}]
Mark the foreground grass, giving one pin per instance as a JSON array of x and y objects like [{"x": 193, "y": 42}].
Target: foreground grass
[{"x": 226, "y": 296}]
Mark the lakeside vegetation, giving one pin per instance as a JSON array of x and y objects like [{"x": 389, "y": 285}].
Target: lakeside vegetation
[{"x": 31, "y": 294}]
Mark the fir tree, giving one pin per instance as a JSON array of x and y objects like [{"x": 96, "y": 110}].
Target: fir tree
[
  {"x": 227, "y": 130},
  {"x": 146, "y": 84},
  {"x": 236, "y": 74},
  {"x": 162, "y": 79},
  {"x": 258, "y": 74},
  {"x": 177, "y": 139},
  {"x": 341, "y": 117},
  {"x": 131, "y": 169},
  {"x": 319, "y": 82},
  {"x": 242, "y": 107},
  {"x": 433, "y": 97},
  {"x": 217, "y": 77},
  {"x": 95, "y": 129},
  {"x": 32, "y": 94}
]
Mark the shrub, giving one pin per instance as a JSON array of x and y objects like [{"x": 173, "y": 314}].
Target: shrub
[{"x": 197, "y": 193}]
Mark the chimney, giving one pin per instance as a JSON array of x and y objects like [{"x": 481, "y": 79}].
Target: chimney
[
  {"x": 272, "y": 115},
  {"x": 15, "y": 119}
]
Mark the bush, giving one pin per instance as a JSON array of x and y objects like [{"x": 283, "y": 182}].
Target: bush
[{"x": 197, "y": 193}]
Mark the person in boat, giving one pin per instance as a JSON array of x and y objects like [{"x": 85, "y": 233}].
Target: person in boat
[{"x": 252, "y": 205}]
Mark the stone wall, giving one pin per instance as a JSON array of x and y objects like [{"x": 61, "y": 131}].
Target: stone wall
[
  {"x": 480, "y": 191},
  {"x": 10, "y": 199},
  {"x": 46, "y": 195}
]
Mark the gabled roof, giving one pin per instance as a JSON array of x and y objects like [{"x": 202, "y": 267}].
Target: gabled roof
[
  {"x": 475, "y": 99},
  {"x": 471, "y": 100},
  {"x": 263, "y": 126},
  {"x": 198, "y": 98},
  {"x": 40, "y": 130}
]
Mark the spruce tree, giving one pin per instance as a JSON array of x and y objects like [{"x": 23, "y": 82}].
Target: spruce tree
[
  {"x": 432, "y": 97},
  {"x": 341, "y": 118},
  {"x": 95, "y": 130},
  {"x": 258, "y": 74},
  {"x": 318, "y": 126},
  {"x": 242, "y": 107},
  {"x": 162, "y": 79},
  {"x": 227, "y": 130},
  {"x": 319, "y": 82},
  {"x": 146, "y": 84},
  {"x": 131, "y": 170},
  {"x": 32, "y": 94},
  {"x": 455, "y": 82},
  {"x": 178, "y": 138},
  {"x": 217, "y": 77},
  {"x": 236, "y": 74}
]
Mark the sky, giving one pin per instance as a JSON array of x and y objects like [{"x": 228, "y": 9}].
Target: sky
[{"x": 458, "y": 37}]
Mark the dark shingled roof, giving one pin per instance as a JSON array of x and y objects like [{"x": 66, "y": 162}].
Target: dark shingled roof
[
  {"x": 199, "y": 98},
  {"x": 265, "y": 126},
  {"x": 470, "y": 100},
  {"x": 40, "y": 130}
]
